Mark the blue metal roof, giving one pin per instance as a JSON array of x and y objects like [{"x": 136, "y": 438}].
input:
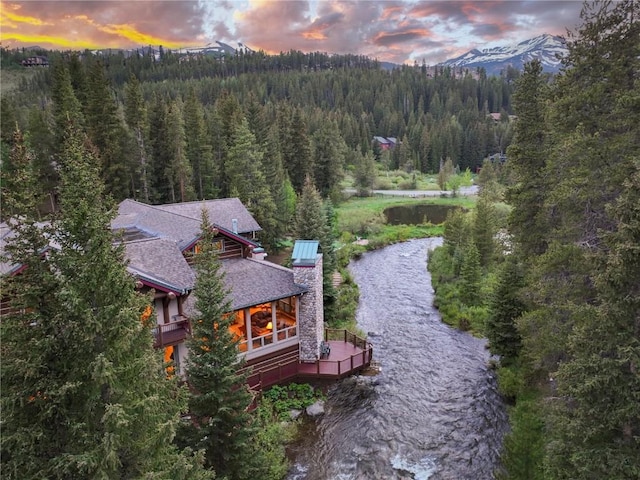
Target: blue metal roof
[{"x": 305, "y": 252}]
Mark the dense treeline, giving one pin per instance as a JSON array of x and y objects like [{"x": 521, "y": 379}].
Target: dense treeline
[
  {"x": 181, "y": 127},
  {"x": 564, "y": 306}
]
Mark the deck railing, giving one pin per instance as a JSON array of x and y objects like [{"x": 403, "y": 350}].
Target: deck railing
[
  {"x": 346, "y": 336},
  {"x": 174, "y": 332},
  {"x": 280, "y": 368}
]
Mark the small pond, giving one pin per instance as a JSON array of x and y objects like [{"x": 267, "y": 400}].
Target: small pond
[{"x": 417, "y": 214}]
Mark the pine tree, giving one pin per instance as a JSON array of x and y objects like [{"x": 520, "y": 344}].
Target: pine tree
[
  {"x": 310, "y": 223},
  {"x": 243, "y": 167},
  {"x": 106, "y": 131},
  {"x": 198, "y": 150},
  {"x": 65, "y": 106},
  {"x": 160, "y": 188},
  {"x": 315, "y": 221},
  {"x": 297, "y": 154},
  {"x": 97, "y": 404},
  {"x": 282, "y": 193},
  {"x": 328, "y": 158},
  {"x": 220, "y": 423},
  {"x": 601, "y": 379},
  {"x": 484, "y": 231},
  {"x": 457, "y": 230},
  {"x": 365, "y": 173},
  {"x": 470, "y": 275},
  {"x": 505, "y": 308},
  {"x": 527, "y": 160},
  {"x": 178, "y": 173},
  {"x": 136, "y": 117},
  {"x": 29, "y": 439}
]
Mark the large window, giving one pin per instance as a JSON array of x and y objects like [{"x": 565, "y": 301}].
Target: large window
[{"x": 265, "y": 324}]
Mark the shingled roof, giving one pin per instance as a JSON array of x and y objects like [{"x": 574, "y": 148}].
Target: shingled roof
[
  {"x": 253, "y": 282},
  {"x": 222, "y": 212},
  {"x": 180, "y": 222},
  {"x": 159, "y": 263}
]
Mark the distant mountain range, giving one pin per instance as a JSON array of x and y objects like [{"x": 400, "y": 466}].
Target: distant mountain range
[{"x": 546, "y": 47}]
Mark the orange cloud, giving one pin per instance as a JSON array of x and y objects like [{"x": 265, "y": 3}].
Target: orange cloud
[
  {"x": 8, "y": 16},
  {"x": 109, "y": 23},
  {"x": 314, "y": 35},
  {"x": 130, "y": 33},
  {"x": 51, "y": 40}
]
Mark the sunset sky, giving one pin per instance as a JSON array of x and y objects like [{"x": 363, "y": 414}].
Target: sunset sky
[{"x": 391, "y": 30}]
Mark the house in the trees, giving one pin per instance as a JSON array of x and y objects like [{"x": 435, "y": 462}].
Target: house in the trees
[
  {"x": 385, "y": 143},
  {"x": 277, "y": 312},
  {"x": 35, "y": 61}
]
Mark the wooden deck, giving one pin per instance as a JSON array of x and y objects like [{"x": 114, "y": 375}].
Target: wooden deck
[{"x": 349, "y": 355}]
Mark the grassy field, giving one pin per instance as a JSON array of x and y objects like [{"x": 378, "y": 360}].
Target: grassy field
[{"x": 364, "y": 217}]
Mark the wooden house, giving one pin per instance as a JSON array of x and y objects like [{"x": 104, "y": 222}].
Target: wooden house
[{"x": 278, "y": 318}]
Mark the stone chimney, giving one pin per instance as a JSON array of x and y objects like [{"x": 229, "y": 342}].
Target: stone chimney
[{"x": 307, "y": 270}]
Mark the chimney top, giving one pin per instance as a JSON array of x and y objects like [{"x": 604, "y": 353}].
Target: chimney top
[{"x": 304, "y": 253}]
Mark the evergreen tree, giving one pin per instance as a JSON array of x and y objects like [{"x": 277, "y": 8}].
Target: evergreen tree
[
  {"x": 29, "y": 440},
  {"x": 198, "y": 149},
  {"x": 243, "y": 167},
  {"x": 160, "y": 188},
  {"x": 178, "y": 173},
  {"x": 328, "y": 158},
  {"x": 523, "y": 452},
  {"x": 65, "y": 105},
  {"x": 315, "y": 221},
  {"x": 136, "y": 117},
  {"x": 505, "y": 308},
  {"x": 91, "y": 401},
  {"x": 282, "y": 193},
  {"x": 484, "y": 230},
  {"x": 311, "y": 221},
  {"x": 470, "y": 275},
  {"x": 297, "y": 154},
  {"x": 456, "y": 230},
  {"x": 220, "y": 423},
  {"x": 527, "y": 160},
  {"x": 445, "y": 173},
  {"x": 365, "y": 173},
  {"x": 105, "y": 129}
]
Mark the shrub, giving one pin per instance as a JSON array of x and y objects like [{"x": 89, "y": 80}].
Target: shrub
[{"x": 295, "y": 396}]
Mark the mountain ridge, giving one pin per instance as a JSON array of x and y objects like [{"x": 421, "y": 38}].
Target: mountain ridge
[{"x": 547, "y": 48}]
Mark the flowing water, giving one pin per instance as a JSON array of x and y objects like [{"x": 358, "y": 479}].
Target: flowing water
[{"x": 433, "y": 412}]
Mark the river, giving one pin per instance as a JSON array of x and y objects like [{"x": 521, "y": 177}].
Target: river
[{"x": 433, "y": 412}]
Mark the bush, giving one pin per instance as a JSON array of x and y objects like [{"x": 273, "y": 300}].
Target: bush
[
  {"x": 295, "y": 396},
  {"x": 383, "y": 183},
  {"x": 510, "y": 382}
]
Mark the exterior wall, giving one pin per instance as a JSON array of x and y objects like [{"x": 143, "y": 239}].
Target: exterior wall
[
  {"x": 311, "y": 316},
  {"x": 173, "y": 310}
]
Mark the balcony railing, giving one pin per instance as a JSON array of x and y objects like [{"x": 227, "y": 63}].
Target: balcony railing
[{"x": 172, "y": 333}]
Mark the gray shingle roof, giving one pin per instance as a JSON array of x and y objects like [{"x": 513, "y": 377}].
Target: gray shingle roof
[
  {"x": 253, "y": 282},
  {"x": 160, "y": 263},
  {"x": 156, "y": 222},
  {"x": 221, "y": 212}
]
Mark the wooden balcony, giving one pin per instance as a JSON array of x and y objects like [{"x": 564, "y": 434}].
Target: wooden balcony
[
  {"x": 172, "y": 333},
  {"x": 349, "y": 355}
]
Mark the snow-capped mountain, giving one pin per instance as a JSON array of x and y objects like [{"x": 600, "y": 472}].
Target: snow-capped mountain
[{"x": 546, "y": 47}]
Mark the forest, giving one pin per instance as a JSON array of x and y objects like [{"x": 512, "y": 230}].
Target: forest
[
  {"x": 179, "y": 127},
  {"x": 557, "y": 294},
  {"x": 547, "y": 265}
]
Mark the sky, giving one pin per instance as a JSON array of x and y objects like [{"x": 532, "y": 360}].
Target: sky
[{"x": 399, "y": 31}]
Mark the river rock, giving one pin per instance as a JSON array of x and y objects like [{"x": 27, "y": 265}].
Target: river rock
[
  {"x": 316, "y": 410},
  {"x": 294, "y": 414}
]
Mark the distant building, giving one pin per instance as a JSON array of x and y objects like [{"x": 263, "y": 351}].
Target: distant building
[
  {"x": 36, "y": 61},
  {"x": 387, "y": 143}
]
